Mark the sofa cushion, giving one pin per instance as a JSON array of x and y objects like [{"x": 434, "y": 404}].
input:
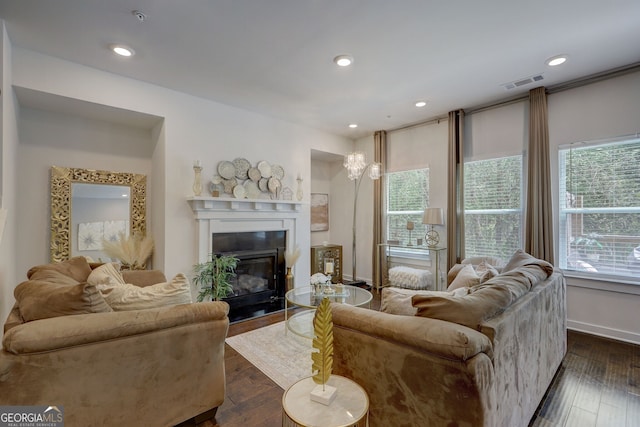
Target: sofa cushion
[
  {"x": 398, "y": 301},
  {"x": 41, "y": 300},
  {"x": 466, "y": 277},
  {"x": 123, "y": 297},
  {"x": 77, "y": 268},
  {"x": 453, "y": 272}
]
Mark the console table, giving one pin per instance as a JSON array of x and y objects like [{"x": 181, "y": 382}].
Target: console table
[{"x": 384, "y": 252}]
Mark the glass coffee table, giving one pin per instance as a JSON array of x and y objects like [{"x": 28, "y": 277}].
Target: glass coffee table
[{"x": 301, "y": 323}]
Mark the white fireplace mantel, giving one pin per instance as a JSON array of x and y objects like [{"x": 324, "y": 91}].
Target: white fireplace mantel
[{"x": 228, "y": 215}]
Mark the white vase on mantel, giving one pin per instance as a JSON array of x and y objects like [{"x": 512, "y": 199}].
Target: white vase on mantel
[{"x": 299, "y": 193}]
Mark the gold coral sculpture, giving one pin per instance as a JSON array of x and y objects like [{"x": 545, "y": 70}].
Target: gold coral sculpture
[{"x": 322, "y": 342}]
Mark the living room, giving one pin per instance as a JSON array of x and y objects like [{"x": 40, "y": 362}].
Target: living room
[{"x": 60, "y": 112}]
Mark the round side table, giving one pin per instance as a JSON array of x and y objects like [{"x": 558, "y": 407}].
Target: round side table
[{"x": 350, "y": 408}]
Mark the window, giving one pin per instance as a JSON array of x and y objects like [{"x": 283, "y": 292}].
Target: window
[
  {"x": 407, "y": 197},
  {"x": 600, "y": 208},
  {"x": 492, "y": 203}
]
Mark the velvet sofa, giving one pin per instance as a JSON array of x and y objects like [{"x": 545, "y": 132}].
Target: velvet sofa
[
  {"x": 64, "y": 346},
  {"x": 483, "y": 355}
]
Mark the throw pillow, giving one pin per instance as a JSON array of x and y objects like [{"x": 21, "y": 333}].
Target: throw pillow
[
  {"x": 467, "y": 277},
  {"x": 53, "y": 277},
  {"x": 106, "y": 274},
  {"x": 521, "y": 258},
  {"x": 123, "y": 297},
  {"x": 453, "y": 272},
  {"x": 486, "y": 271},
  {"x": 468, "y": 310},
  {"x": 77, "y": 268},
  {"x": 42, "y": 300}
]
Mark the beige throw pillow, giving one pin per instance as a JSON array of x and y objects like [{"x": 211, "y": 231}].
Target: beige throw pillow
[
  {"x": 42, "y": 300},
  {"x": 123, "y": 297},
  {"x": 106, "y": 274},
  {"x": 486, "y": 271},
  {"x": 469, "y": 310},
  {"x": 467, "y": 277}
]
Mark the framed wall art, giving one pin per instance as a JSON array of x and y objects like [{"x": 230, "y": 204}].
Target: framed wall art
[{"x": 319, "y": 212}]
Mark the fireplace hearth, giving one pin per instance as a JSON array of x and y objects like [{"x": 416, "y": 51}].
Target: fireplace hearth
[{"x": 259, "y": 285}]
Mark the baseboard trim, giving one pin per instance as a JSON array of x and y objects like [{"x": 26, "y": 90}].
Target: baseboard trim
[{"x": 615, "y": 334}]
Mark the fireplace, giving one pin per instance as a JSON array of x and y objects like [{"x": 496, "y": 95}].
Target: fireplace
[
  {"x": 248, "y": 223},
  {"x": 259, "y": 285}
]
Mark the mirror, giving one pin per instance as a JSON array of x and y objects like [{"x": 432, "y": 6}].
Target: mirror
[{"x": 81, "y": 187}]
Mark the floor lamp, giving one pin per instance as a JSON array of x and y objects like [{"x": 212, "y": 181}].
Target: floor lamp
[{"x": 356, "y": 166}]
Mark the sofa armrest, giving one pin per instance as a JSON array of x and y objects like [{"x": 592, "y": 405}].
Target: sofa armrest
[
  {"x": 438, "y": 337},
  {"x": 69, "y": 331}
]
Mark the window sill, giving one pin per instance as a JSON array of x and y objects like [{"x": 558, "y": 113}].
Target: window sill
[{"x": 602, "y": 282}]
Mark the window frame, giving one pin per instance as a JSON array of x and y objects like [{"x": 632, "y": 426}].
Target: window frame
[{"x": 592, "y": 280}]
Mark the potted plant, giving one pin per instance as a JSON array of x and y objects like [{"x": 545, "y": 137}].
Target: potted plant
[{"x": 214, "y": 276}]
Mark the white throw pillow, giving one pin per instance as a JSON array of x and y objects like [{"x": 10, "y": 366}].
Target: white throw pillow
[
  {"x": 465, "y": 278},
  {"x": 106, "y": 274},
  {"x": 486, "y": 271},
  {"x": 123, "y": 297}
]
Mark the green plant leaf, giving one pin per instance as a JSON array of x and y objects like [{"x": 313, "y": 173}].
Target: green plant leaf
[{"x": 322, "y": 342}]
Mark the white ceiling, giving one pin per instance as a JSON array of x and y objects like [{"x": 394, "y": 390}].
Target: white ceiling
[{"x": 274, "y": 57}]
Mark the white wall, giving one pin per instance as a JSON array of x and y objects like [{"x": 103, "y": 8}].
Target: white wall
[
  {"x": 193, "y": 128},
  {"x": 604, "y": 109},
  {"x": 8, "y": 179},
  {"x": 321, "y": 175}
]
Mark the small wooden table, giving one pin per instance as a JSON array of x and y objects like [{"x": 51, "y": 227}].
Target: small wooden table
[{"x": 349, "y": 408}]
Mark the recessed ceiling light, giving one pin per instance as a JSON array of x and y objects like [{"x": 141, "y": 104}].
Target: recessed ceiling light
[
  {"x": 556, "y": 60},
  {"x": 420, "y": 104},
  {"x": 343, "y": 60},
  {"x": 353, "y": 125},
  {"x": 122, "y": 50}
]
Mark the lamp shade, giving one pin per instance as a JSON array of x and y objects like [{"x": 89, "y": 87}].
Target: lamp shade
[{"x": 433, "y": 216}]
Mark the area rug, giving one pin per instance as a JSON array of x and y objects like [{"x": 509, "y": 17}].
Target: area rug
[{"x": 283, "y": 358}]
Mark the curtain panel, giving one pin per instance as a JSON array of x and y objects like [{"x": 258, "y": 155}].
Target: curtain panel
[
  {"x": 380, "y": 156},
  {"x": 455, "y": 189},
  {"x": 539, "y": 214}
]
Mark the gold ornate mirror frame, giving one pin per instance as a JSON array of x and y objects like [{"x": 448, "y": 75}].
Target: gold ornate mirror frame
[{"x": 61, "y": 180}]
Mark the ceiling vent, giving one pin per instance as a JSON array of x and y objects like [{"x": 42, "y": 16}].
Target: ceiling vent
[{"x": 523, "y": 82}]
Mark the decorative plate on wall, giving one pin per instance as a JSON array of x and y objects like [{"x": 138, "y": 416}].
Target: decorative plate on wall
[
  {"x": 277, "y": 171},
  {"x": 265, "y": 169},
  {"x": 242, "y": 167},
  {"x": 251, "y": 189},
  {"x": 263, "y": 184},
  {"x": 254, "y": 174},
  {"x": 239, "y": 192},
  {"x": 226, "y": 169},
  {"x": 229, "y": 185}
]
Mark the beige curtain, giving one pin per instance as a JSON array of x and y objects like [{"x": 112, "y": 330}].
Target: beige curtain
[
  {"x": 455, "y": 189},
  {"x": 379, "y": 156},
  {"x": 539, "y": 215}
]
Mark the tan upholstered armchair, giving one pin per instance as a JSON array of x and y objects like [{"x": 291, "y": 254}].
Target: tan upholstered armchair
[{"x": 158, "y": 366}]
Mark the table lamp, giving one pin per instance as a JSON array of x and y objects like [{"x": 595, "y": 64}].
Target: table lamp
[{"x": 431, "y": 217}]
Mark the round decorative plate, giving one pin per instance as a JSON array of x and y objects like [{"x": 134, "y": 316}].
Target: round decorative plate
[
  {"x": 274, "y": 184},
  {"x": 217, "y": 179},
  {"x": 254, "y": 174},
  {"x": 251, "y": 189},
  {"x": 226, "y": 169},
  {"x": 277, "y": 171},
  {"x": 265, "y": 169},
  {"x": 263, "y": 184},
  {"x": 239, "y": 192},
  {"x": 229, "y": 185},
  {"x": 242, "y": 167}
]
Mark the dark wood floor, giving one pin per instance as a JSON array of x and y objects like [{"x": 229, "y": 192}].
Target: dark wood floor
[{"x": 598, "y": 384}]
